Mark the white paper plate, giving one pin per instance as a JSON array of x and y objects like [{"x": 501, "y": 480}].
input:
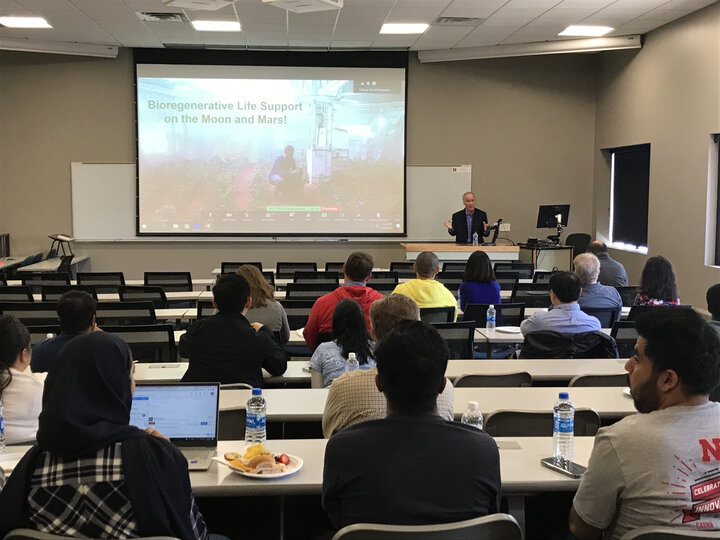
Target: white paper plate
[
  {"x": 294, "y": 466},
  {"x": 508, "y": 329}
]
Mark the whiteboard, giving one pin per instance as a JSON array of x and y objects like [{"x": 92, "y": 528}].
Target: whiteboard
[
  {"x": 433, "y": 195},
  {"x": 103, "y": 202}
]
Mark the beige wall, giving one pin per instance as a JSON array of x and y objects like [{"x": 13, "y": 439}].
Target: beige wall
[
  {"x": 526, "y": 125},
  {"x": 666, "y": 94}
]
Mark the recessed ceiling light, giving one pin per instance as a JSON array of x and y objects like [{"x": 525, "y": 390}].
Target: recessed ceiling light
[
  {"x": 24, "y": 22},
  {"x": 586, "y": 31},
  {"x": 403, "y": 28},
  {"x": 216, "y": 26}
]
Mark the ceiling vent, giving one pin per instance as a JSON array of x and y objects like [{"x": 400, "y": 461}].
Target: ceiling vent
[
  {"x": 305, "y": 6},
  {"x": 206, "y": 5},
  {"x": 458, "y": 21},
  {"x": 161, "y": 17}
]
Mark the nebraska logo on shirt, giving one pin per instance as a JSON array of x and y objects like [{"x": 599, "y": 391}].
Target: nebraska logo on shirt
[{"x": 705, "y": 492}]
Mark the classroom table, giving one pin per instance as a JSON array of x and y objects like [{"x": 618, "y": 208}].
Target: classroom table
[
  {"x": 51, "y": 265},
  {"x": 556, "y": 370},
  {"x": 307, "y": 404},
  {"x": 10, "y": 262}
]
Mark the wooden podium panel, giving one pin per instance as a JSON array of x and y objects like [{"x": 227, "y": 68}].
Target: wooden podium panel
[{"x": 447, "y": 251}]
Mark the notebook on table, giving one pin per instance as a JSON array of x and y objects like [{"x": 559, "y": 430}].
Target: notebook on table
[{"x": 187, "y": 413}]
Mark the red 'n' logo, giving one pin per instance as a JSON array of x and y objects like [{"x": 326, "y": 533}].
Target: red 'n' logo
[{"x": 710, "y": 448}]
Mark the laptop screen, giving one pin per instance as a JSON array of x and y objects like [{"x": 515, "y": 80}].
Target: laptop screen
[{"x": 185, "y": 412}]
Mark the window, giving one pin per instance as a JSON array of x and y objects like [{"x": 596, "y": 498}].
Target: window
[
  {"x": 712, "y": 218},
  {"x": 629, "y": 189}
]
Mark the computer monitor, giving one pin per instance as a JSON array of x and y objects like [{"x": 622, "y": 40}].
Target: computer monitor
[{"x": 547, "y": 212}]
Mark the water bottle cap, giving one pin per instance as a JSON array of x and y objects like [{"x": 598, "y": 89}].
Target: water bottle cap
[
  {"x": 564, "y": 395},
  {"x": 257, "y": 391},
  {"x": 351, "y": 356},
  {"x": 473, "y": 405},
  {"x": 491, "y": 306}
]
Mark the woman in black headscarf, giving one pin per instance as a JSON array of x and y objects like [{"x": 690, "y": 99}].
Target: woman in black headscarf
[{"x": 91, "y": 474}]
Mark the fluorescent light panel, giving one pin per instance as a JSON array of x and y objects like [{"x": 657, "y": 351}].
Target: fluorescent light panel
[
  {"x": 404, "y": 28},
  {"x": 580, "y": 30},
  {"x": 24, "y": 22},
  {"x": 216, "y": 26}
]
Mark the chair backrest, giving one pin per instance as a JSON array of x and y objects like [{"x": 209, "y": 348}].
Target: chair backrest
[
  {"x": 507, "y": 283},
  {"x": 231, "y": 267},
  {"x": 525, "y": 269},
  {"x": 205, "y": 308},
  {"x": 451, "y": 280},
  {"x": 32, "y": 313},
  {"x": 148, "y": 342},
  {"x": 334, "y": 266},
  {"x": 104, "y": 282},
  {"x": 454, "y": 266},
  {"x": 542, "y": 276},
  {"x": 302, "y": 276},
  {"x": 298, "y": 291},
  {"x": 492, "y": 527},
  {"x": 156, "y": 295},
  {"x": 404, "y": 269},
  {"x": 16, "y": 293},
  {"x": 505, "y": 314},
  {"x": 383, "y": 288},
  {"x": 579, "y": 242},
  {"x": 548, "y": 344},
  {"x": 297, "y": 312},
  {"x": 383, "y": 277},
  {"x": 444, "y": 314},
  {"x": 41, "y": 333},
  {"x": 472, "y": 380},
  {"x": 636, "y": 311},
  {"x": 169, "y": 281},
  {"x": 620, "y": 379},
  {"x": 625, "y": 335},
  {"x": 35, "y": 281},
  {"x": 54, "y": 292},
  {"x": 122, "y": 313},
  {"x": 269, "y": 277},
  {"x": 458, "y": 336},
  {"x": 531, "y": 294},
  {"x": 285, "y": 270},
  {"x": 627, "y": 294},
  {"x": 667, "y": 533},
  {"x": 537, "y": 423},
  {"x": 31, "y": 534},
  {"x": 607, "y": 316},
  {"x": 231, "y": 425}
]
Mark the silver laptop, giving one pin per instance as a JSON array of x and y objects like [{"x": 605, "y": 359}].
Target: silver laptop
[{"x": 187, "y": 413}]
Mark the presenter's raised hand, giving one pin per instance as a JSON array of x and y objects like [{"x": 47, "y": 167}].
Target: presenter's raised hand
[{"x": 448, "y": 224}]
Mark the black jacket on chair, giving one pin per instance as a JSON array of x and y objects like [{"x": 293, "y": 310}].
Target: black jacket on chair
[{"x": 548, "y": 344}]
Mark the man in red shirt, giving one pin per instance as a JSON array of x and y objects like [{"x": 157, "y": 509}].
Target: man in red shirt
[{"x": 357, "y": 271}]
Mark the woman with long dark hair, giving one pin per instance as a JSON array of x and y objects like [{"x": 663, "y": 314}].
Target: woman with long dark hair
[
  {"x": 91, "y": 474},
  {"x": 20, "y": 389},
  {"x": 479, "y": 285},
  {"x": 658, "y": 284},
  {"x": 349, "y": 331}
]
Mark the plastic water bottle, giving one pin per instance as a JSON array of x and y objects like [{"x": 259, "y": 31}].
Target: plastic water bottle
[
  {"x": 351, "y": 364},
  {"x": 2, "y": 428},
  {"x": 563, "y": 430},
  {"x": 475, "y": 239},
  {"x": 472, "y": 415},
  {"x": 490, "y": 317},
  {"x": 255, "y": 414}
]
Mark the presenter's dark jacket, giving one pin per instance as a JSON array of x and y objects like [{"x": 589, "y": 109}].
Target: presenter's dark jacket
[
  {"x": 225, "y": 348},
  {"x": 459, "y": 226}
]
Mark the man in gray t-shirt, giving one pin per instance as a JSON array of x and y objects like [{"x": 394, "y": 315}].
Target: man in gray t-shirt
[{"x": 660, "y": 467}]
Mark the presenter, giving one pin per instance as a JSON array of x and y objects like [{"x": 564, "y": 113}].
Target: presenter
[
  {"x": 284, "y": 174},
  {"x": 466, "y": 222}
]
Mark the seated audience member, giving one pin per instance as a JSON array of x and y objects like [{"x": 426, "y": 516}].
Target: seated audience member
[
  {"x": 354, "y": 397},
  {"x": 612, "y": 273},
  {"x": 21, "y": 390},
  {"x": 91, "y": 474},
  {"x": 357, "y": 271},
  {"x": 479, "y": 285},
  {"x": 674, "y": 441},
  {"x": 713, "y": 304},
  {"x": 566, "y": 316},
  {"x": 265, "y": 309},
  {"x": 226, "y": 347},
  {"x": 413, "y": 467},
  {"x": 658, "y": 284},
  {"x": 593, "y": 294},
  {"x": 424, "y": 290},
  {"x": 76, "y": 315},
  {"x": 349, "y": 335}
]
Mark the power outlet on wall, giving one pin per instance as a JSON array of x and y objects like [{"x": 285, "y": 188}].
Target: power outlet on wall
[{"x": 504, "y": 226}]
